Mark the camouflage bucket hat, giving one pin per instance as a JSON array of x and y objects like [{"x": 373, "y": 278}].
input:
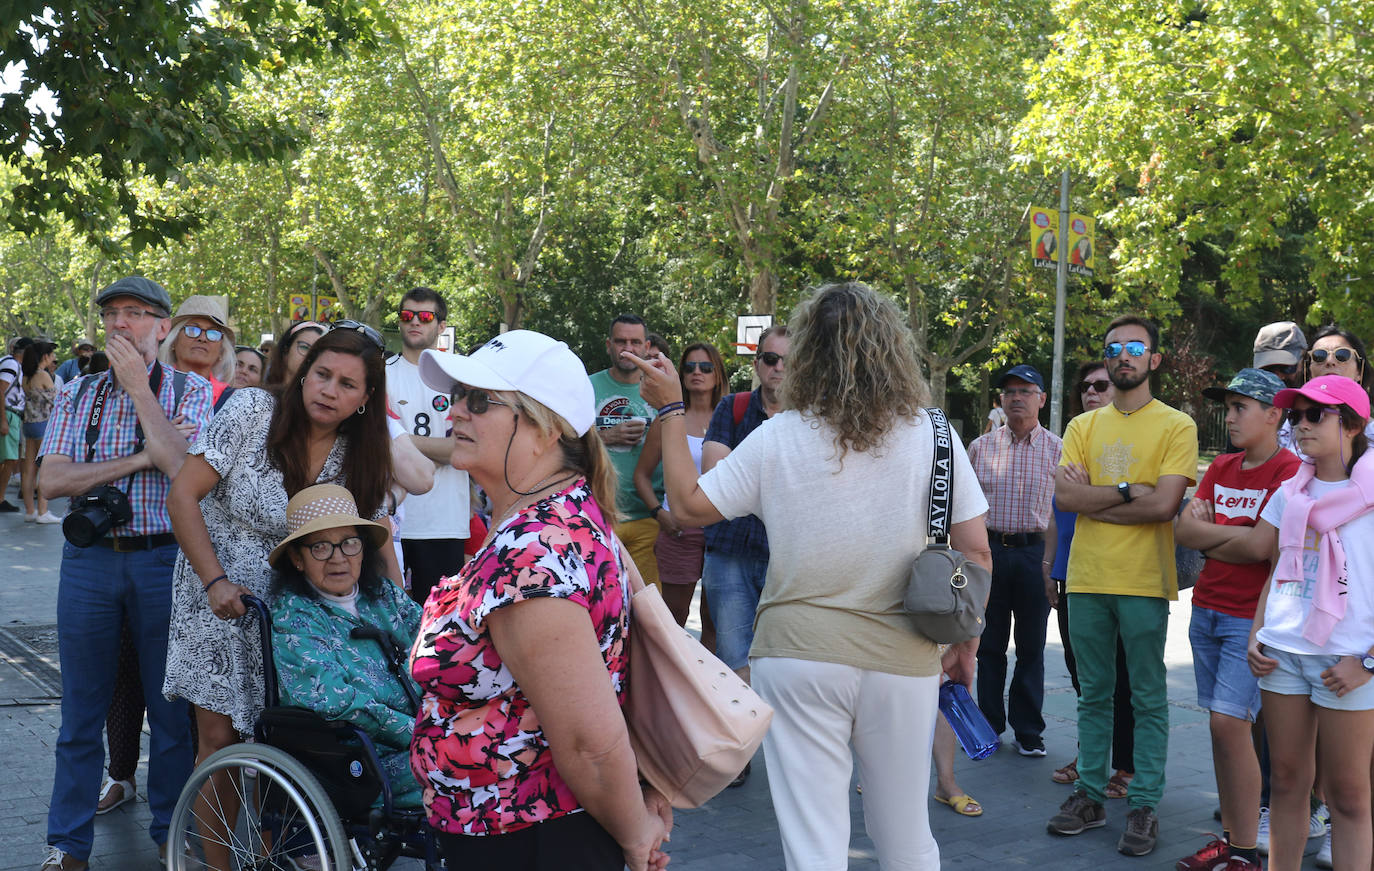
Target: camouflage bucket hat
[{"x": 1257, "y": 384}]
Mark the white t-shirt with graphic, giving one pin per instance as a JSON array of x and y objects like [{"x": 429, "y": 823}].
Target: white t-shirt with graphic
[
  {"x": 1290, "y": 602},
  {"x": 10, "y": 371},
  {"x": 443, "y": 512}
]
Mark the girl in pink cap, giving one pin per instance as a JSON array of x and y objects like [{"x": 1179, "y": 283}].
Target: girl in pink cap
[{"x": 1312, "y": 644}]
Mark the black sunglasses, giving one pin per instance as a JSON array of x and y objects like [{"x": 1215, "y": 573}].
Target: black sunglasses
[
  {"x": 360, "y": 327},
  {"x": 770, "y": 359},
  {"x": 1342, "y": 355},
  {"x": 705, "y": 367},
  {"x": 1313, "y": 413},
  {"x": 1100, "y": 385},
  {"x": 478, "y": 400}
]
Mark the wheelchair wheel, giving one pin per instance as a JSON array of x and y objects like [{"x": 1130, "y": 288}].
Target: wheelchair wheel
[{"x": 284, "y": 815}]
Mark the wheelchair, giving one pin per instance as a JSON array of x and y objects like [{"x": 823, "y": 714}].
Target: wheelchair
[{"x": 305, "y": 790}]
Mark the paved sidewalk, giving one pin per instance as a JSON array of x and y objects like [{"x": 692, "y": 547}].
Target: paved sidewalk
[{"x": 734, "y": 832}]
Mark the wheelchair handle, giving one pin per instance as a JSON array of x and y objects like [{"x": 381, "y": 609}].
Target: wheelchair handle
[
  {"x": 258, "y": 607},
  {"x": 394, "y": 655}
]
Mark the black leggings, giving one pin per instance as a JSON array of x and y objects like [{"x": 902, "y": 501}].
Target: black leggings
[{"x": 575, "y": 842}]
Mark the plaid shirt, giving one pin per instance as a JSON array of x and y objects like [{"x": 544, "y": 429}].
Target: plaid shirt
[
  {"x": 743, "y": 536},
  {"x": 147, "y": 490},
  {"x": 1017, "y": 477}
]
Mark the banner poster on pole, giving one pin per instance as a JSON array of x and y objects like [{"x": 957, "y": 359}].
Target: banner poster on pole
[
  {"x": 1044, "y": 233},
  {"x": 1082, "y": 244},
  {"x": 324, "y": 308},
  {"x": 300, "y": 307}
]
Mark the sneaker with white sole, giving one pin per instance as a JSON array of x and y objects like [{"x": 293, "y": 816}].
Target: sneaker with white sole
[
  {"x": 48, "y": 517},
  {"x": 1323, "y": 858},
  {"x": 1316, "y": 826},
  {"x": 60, "y": 860},
  {"x": 1078, "y": 812},
  {"x": 1262, "y": 833},
  {"x": 1030, "y": 746}
]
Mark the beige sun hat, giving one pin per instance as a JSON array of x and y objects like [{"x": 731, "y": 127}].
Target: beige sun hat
[
  {"x": 211, "y": 308},
  {"x": 325, "y": 506}
]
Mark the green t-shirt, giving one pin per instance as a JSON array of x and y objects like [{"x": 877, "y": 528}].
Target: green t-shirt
[{"x": 615, "y": 402}]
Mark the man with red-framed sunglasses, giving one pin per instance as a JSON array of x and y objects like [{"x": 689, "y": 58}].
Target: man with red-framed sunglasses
[{"x": 435, "y": 528}]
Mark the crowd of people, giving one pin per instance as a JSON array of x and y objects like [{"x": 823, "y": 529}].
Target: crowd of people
[{"x": 487, "y": 511}]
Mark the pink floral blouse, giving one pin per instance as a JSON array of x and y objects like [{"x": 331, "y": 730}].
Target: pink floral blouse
[{"x": 479, "y": 751}]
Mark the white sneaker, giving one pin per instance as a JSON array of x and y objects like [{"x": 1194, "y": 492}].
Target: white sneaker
[
  {"x": 48, "y": 517},
  {"x": 1262, "y": 833},
  {"x": 1316, "y": 826},
  {"x": 1323, "y": 859}
]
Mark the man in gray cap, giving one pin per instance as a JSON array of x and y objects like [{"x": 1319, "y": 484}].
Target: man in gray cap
[
  {"x": 112, "y": 445},
  {"x": 1016, "y": 465},
  {"x": 1279, "y": 348}
]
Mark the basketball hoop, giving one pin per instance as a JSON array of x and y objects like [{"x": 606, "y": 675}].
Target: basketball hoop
[{"x": 747, "y": 331}]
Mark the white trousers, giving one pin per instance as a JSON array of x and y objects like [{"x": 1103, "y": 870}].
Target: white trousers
[{"x": 820, "y": 710}]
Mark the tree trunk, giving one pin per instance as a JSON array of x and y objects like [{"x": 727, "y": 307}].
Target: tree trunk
[
  {"x": 763, "y": 291},
  {"x": 939, "y": 376}
]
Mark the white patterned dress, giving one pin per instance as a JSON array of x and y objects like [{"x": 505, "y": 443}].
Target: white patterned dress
[{"x": 213, "y": 663}]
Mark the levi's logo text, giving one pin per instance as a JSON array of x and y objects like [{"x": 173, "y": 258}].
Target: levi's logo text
[{"x": 1238, "y": 504}]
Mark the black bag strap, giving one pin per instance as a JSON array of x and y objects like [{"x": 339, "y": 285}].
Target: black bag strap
[{"x": 941, "y": 479}]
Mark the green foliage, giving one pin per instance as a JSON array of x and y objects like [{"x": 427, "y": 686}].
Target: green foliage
[
  {"x": 1239, "y": 132},
  {"x": 143, "y": 90}
]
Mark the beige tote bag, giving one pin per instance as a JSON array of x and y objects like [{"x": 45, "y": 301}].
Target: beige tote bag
[{"x": 694, "y": 724}]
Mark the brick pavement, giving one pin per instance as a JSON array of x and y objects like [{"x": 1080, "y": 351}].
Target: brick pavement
[{"x": 734, "y": 832}]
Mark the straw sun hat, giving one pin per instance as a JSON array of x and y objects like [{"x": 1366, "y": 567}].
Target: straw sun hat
[{"x": 325, "y": 506}]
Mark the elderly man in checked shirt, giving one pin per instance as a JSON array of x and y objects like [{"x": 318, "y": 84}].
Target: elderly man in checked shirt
[{"x": 1015, "y": 464}]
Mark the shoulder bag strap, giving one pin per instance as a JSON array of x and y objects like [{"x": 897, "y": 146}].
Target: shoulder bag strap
[{"x": 941, "y": 479}]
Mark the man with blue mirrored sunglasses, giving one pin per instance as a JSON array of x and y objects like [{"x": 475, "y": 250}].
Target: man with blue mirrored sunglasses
[{"x": 1124, "y": 471}]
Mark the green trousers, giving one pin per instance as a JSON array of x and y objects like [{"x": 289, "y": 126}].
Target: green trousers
[{"x": 1095, "y": 621}]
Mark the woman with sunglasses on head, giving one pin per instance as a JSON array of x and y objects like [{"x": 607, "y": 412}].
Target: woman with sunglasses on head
[
  {"x": 200, "y": 340},
  {"x": 1314, "y": 624},
  {"x": 228, "y": 508},
  {"x": 286, "y": 356},
  {"x": 834, "y": 652},
  {"x": 520, "y": 745},
  {"x": 680, "y": 551},
  {"x": 1093, "y": 390}
]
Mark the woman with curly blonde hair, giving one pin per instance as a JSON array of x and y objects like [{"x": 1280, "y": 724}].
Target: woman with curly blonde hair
[{"x": 833, "y": 650}]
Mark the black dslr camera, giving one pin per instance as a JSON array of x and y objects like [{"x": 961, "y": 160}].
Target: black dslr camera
[{"x": 95, "y": 514}]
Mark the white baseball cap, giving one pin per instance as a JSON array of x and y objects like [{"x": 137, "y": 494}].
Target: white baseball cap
[{"x": 523, "y": 361}]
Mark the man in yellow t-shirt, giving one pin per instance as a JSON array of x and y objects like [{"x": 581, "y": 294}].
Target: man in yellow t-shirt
[{"x": 1124, "y": 471}]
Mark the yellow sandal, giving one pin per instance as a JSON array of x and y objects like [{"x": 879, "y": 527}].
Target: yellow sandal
[{"x": 965, "y": 804}]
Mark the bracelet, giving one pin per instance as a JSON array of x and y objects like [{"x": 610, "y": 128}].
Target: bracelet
[
  {"x": 673, "y": 406},
  {"x": 1045, "y": 562},
  {"x": 653, "y": 512},
  {"x": 677, "y": 413},
  {"x": 207, "y": 587}
]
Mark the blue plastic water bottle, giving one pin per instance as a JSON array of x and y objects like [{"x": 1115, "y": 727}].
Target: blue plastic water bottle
[{"x": 970, "y": 726}]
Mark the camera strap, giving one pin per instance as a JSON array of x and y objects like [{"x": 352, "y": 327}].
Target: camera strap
[{"x": 98, "y": 412}]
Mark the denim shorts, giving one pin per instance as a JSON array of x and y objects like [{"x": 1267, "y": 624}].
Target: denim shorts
[
  {"x": 35, "y": 430},
  {"x": 1300, "y": 674},
  {"x": 1224, "y": 682}
]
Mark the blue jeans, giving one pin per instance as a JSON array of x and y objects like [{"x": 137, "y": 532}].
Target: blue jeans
[
  {"x": 1224, "y": 682},
  {"x": 733, "y": 586},
  {"x": 98, "y": 590},
  {"x": 1018, "y": 591}
]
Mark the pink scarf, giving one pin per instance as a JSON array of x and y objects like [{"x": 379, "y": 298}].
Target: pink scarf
[{"x": 1324, "y": 516}]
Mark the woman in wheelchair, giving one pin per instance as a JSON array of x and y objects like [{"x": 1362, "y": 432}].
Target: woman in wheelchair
[{"x": 330, "y": 600}]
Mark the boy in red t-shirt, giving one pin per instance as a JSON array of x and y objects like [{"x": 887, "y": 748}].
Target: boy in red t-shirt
[{"x": 1227, "y": 502}]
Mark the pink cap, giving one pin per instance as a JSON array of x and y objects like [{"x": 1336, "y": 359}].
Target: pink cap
[{"x": 1328, "y": 390}]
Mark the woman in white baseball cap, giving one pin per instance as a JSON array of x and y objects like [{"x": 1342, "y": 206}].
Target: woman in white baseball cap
[{"x": 515, "y": 650}]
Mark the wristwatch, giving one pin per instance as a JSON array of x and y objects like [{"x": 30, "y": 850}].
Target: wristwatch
[
  {"x": 1368, "y": 662},
  {"x": 653, "y": 512},
  {"x": 1124, "y": 489}
]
